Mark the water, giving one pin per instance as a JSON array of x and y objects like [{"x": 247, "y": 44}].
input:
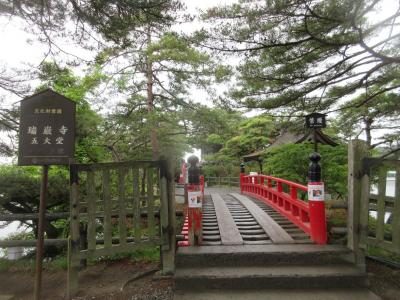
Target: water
[
  {"x": 390, "y": 192},
  {"x": 12, "y": 228}
]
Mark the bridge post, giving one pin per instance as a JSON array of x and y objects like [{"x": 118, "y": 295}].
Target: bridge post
[
  {"x": 316, "y": 201},
  {"x": 195, "y": 194},
  {"x": 242, "y": 174}
]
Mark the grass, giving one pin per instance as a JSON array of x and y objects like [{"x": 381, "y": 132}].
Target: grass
[
  {"x": 28, "y": 264},
  {"x": 146, "y": 254},
  {"x": 385, "y": 254}
]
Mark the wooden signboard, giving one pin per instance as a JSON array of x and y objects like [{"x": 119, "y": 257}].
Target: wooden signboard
[
  {"x": 47, "y": 130},
  {"x": 316, "y": 120},
  {"x": 46, "y": 137}
]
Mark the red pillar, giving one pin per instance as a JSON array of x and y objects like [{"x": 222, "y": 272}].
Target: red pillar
[
  {"x": 317, "y": 212},
  {"x": 242, "y": 174},
  {"x": 316, "y": 202}
]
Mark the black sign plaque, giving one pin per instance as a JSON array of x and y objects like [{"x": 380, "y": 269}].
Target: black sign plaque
[
  {"x": 47, "y": 130},
  {"x": 316, "y": 120}
]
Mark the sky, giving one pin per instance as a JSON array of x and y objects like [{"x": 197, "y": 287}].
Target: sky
[{"x": 21, "y": 50}]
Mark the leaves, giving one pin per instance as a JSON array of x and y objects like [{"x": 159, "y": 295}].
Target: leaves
[
  {"x": 291, "y": 162},
  {"x": 294, "y": 50}
]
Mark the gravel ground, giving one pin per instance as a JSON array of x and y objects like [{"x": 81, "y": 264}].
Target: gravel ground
[
  {"x": 384, "y": 280},
  {"x": 113, "y": 280}
]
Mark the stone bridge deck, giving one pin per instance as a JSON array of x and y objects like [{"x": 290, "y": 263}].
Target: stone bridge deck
[{"x": 234, "y": 219}]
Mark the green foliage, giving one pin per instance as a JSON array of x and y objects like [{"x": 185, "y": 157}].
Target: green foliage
[
  {"x": 20, "y": 192},
  {"x": 387, "y": 228},
  {"x": 63, "y": 81},
  {"x": 211, "y": 127},
  {"x": 23, "y": 265},
  {"x": 382, "y": 253},
  {"x": 298, "y": 57},
  {"x": 380, "y": 113},
  {"x": 254, "y": 134},
  {"x": 219, "y": 165},
  {"x": 291, "y": 162},
  {"x": 171, "y": 47},
  {"x": 117, "y": 21},
  {"x": 20, "y": 236},
  {"x": 126, "y": 132},
  {"x": 388, "y": 235},
  {"x": 145, "y": 254},
  {"x": 22, "y": 185}
]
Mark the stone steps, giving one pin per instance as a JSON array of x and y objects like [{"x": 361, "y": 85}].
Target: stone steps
[
  {"x": 270, "y": 277},
  {"x": 264, "y": 255},
  {"x": 276, "y": 294},
  {"x": 273, "y": 272}
]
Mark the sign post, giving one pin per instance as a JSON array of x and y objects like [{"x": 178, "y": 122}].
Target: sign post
[
  {"x": 40, "y": 232},
  {"x": 316, "y": 194},
  {"x": 46, "y": 137}
]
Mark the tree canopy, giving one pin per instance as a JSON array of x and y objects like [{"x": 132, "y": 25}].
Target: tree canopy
[
  {"x": 306, "y": 55},
  {"x": 136, "y": 95}
]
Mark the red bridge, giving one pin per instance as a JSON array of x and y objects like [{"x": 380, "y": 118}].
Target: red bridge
[
  {"x": 265, "y": 240},
  {"x": 274, "y": 212}
]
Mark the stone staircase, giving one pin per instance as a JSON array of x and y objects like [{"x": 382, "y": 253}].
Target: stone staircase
[{"x": 273, "y": 272}]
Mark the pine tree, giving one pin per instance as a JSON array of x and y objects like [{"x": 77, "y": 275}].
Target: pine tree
[{"x": 306, "y": 55}]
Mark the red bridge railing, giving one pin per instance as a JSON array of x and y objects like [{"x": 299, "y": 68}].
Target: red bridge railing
[{"x": 283, "y": 196}]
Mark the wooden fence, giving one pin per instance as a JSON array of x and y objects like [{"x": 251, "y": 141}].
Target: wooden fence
[
  {"x": 111, "y": 204},
  {"x": 374, "y": 210},
  {"x": 380, "y": 211},
  {"x": 121, "y": 207}
]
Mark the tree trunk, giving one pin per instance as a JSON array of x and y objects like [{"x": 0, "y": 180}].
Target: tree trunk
[
  {"x": 150, "y": 102},
  {"x": 368, "y": 122},
  {"x": 143, "y": 187}
]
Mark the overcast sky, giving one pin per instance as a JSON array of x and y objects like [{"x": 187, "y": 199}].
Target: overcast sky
[{"x": 21, "y": 50}]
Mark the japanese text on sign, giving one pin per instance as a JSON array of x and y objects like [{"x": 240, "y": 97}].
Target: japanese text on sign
[
  {"x": 53, "y": 111},
  {"x": 47, "y": 131},
  {"x": 316, "y": 120}
]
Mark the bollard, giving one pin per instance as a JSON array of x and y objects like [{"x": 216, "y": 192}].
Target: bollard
[{"x": 316, "y": 201}]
